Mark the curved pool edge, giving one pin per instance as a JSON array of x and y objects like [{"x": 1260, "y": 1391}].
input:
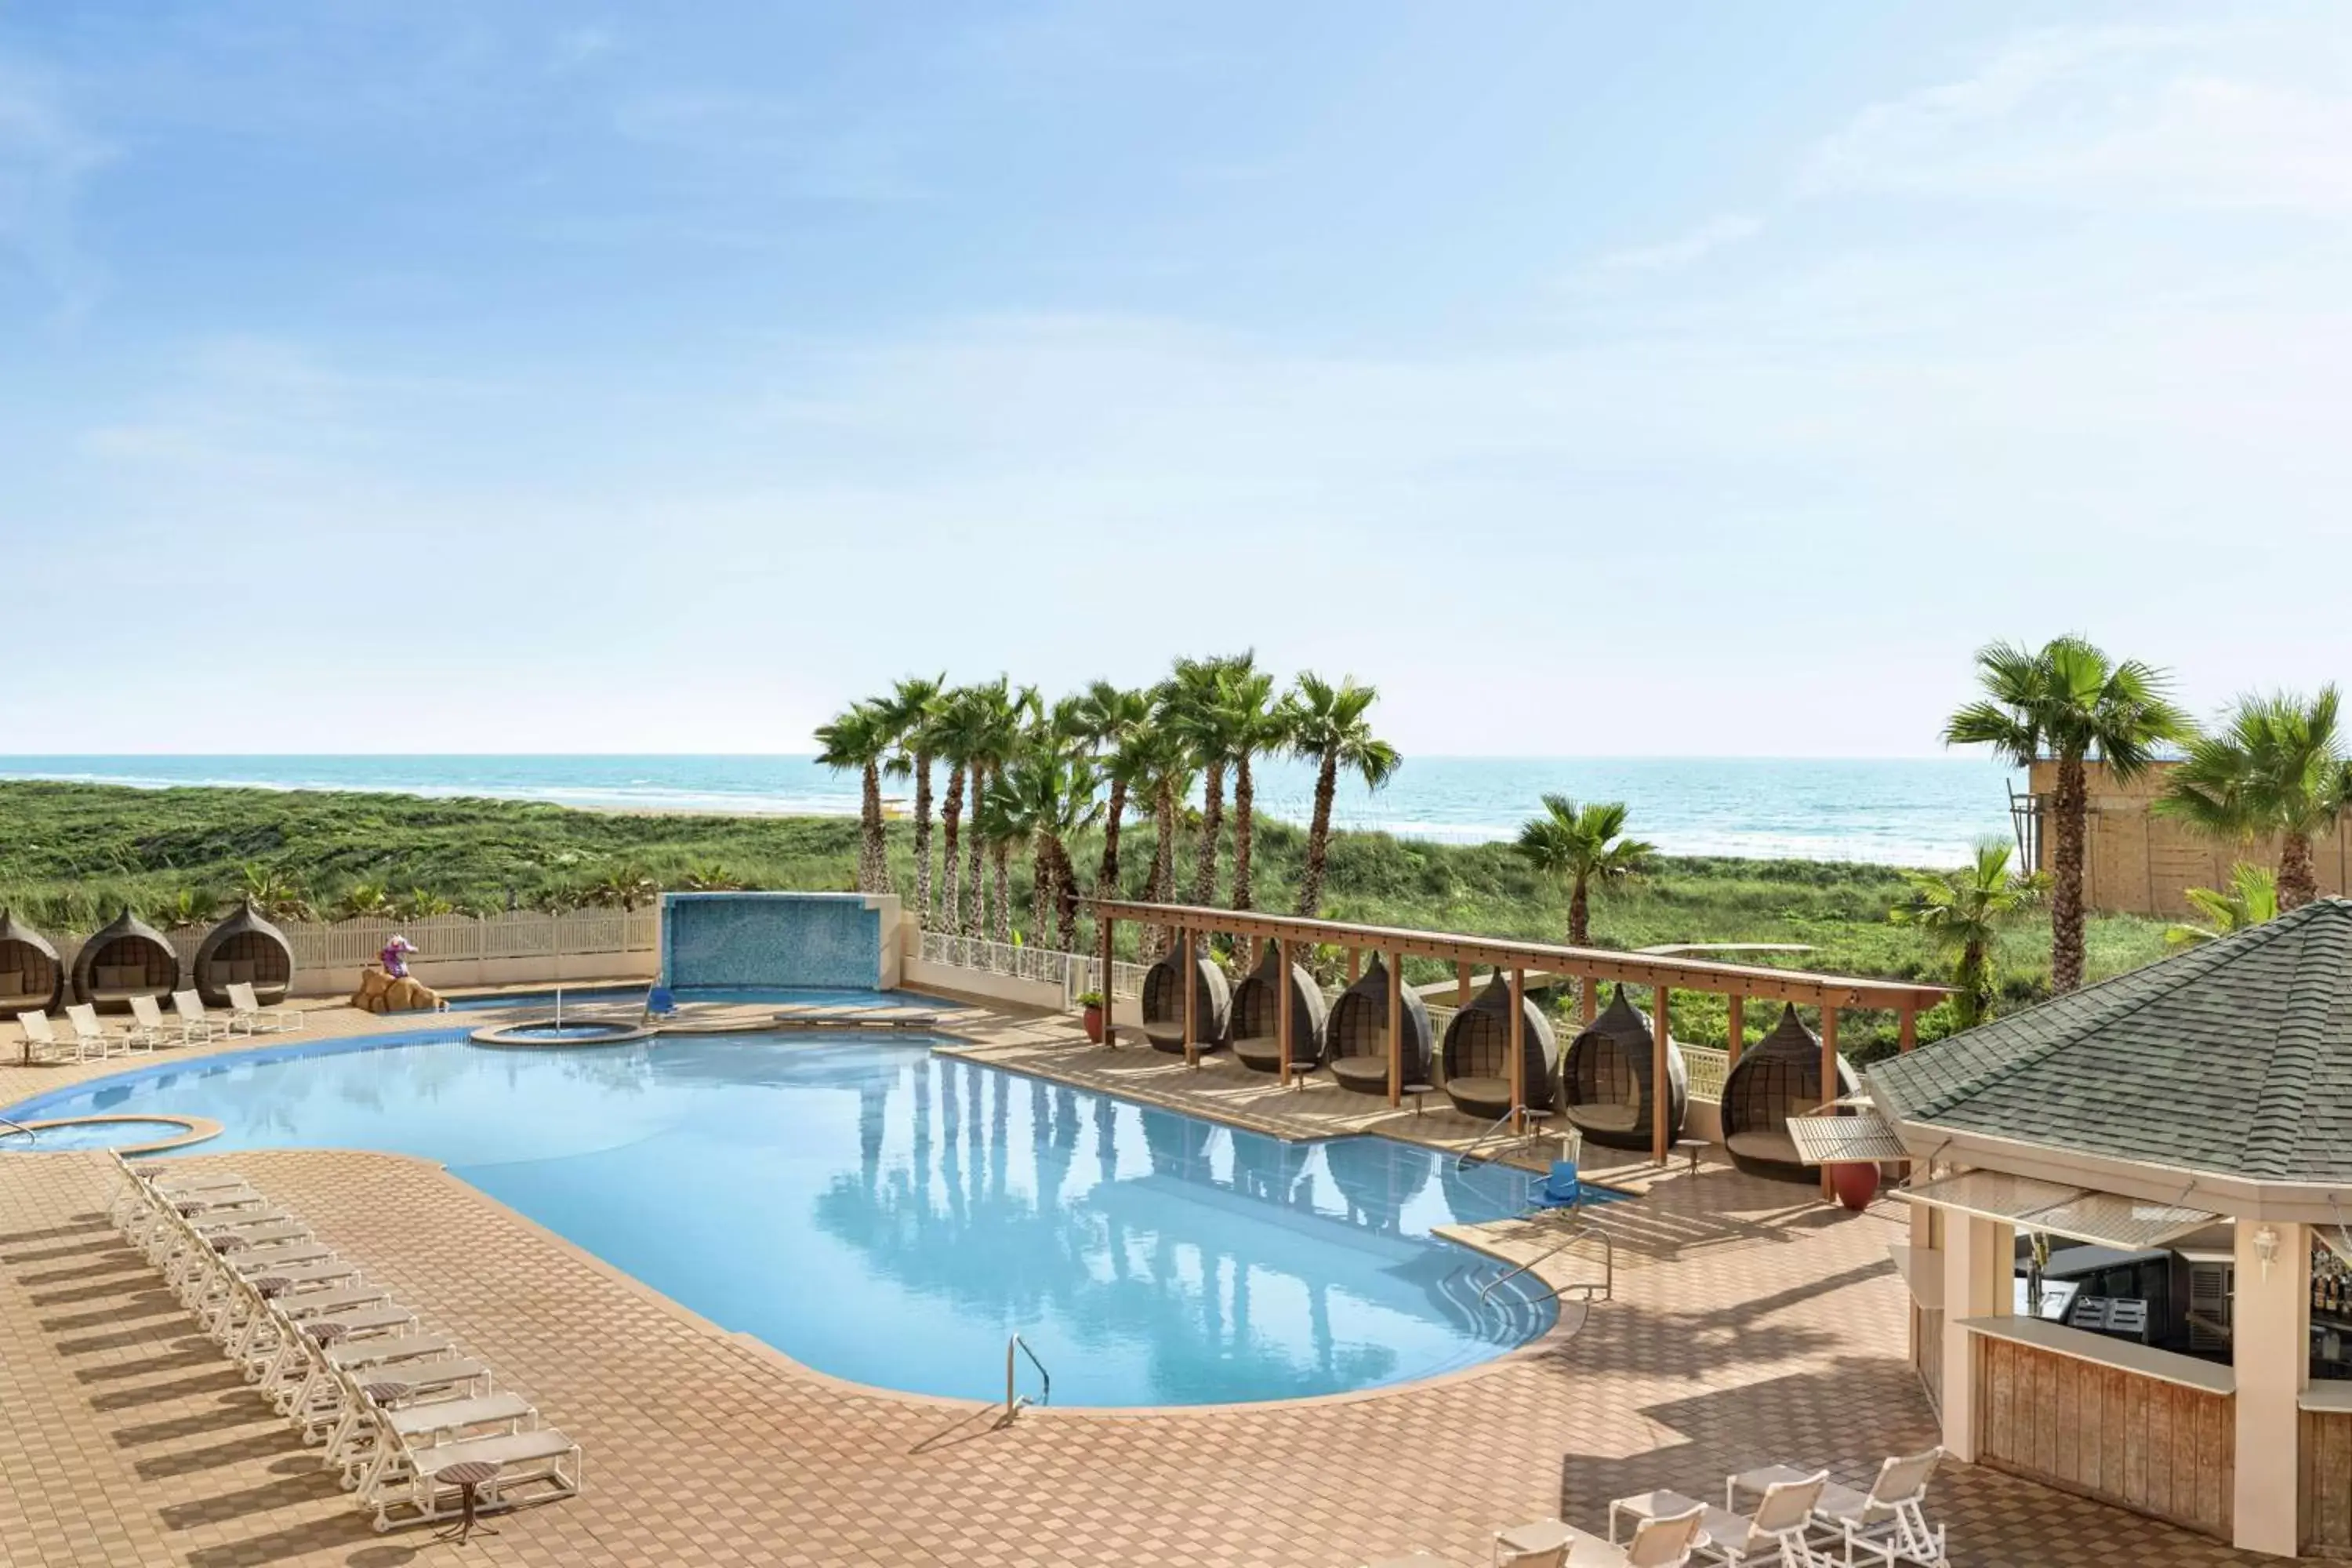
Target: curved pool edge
[{"x": 193, "y": 1129}]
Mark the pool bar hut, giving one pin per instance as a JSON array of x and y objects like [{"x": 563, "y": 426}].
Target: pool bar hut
[
  {"x": 243, "y": 948},
  {"x": 1477, "y": 1053},
  {"x": 128, "y": 959},
  {"x": 2130, "y": 1259},
  {"x": 1776, "y": 1079},
  {"x": 32, "y": 975},
  {"x": 1175, "y": 1022},
  {"x": 1269, "y": 1028},
  {"x": 1609, "y": 1082},
  {"x": 1376, "y": 1037}
]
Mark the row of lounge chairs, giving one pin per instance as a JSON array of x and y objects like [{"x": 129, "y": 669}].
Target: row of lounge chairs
[
  {"x": 417, "y": 1430},
  {"x": 190, "y": 1024},
  {"x": 1799, "y": 1520}
]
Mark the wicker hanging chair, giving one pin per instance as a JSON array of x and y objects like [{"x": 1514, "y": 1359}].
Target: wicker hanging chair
[
  {"x": 1258, "y": 1016},
  {"x": 1164, "y": 1004},
  {"x": 1777, "y": 1078},
  {"x": 1477, "y": 1054},
  {"x": 32, "y": 975},
  {"x": 243, "y": 948},
  {"x": 1605, "y": 1079},
  {"x": 128, "y": 959},
  {"x": 1356, "y": 1036}
]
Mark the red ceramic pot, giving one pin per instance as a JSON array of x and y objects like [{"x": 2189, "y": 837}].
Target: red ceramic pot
[
  {"x": 1854, "y": 1185},
  {"x": 1094, "y": 1024}
]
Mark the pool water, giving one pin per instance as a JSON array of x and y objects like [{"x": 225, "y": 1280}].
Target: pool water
[
  {"x": 90, "y": 1135},
  {"x": 889, "y": 1217}
]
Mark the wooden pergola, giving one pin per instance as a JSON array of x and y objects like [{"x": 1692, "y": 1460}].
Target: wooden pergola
[{"x": 1733, "y": 981}]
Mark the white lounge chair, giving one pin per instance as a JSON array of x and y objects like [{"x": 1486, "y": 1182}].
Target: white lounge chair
[
  {"x": 148, "y": 1014},
  {"x": 1888, "y": 1523},
  {"x": 545, "y": 1459},
  {"x": 94, "y": 1037},
  {"x": 195, "y": 1024},
  {"x": 1778, "y": 1533},
  {"x": 1665, "y": 1540},
  {"x": 247, "y": 1011},
  {"x": 39, "y": 1038}
]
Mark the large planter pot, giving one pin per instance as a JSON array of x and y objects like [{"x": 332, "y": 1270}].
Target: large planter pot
[
  {"x": 1854, "y": 1185},
  {"x": 1093, "y": 1021}
]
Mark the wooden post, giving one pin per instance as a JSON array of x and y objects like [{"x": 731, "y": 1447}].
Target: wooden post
[
  {"x": 1737, "y": 1034},
  {"x": 1461, "y": 983},
  {"x": 1355, "y": 966},
  {"x": 1102, "y": 932},
  {"x": 1188, "y": 975},
  {"x": 1282, "y": 1008},
  {"x": 1829, "y": 1072},
  {"x": 1659, "y": 1035},
  {"x": 1396, "y": 1028},
  {"x": 1589, "y": 988},
  {"x": 1906, "y": 1028},
  {"x": 1519, "y": 1049}
]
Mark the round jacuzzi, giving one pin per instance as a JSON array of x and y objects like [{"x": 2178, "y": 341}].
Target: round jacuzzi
[
  {"x": 563, "y": 1032},
  {"x": 126, "y": 1134}
]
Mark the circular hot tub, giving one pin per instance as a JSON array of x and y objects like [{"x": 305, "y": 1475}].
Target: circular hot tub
[
  {"x": 151, "y": 1134},
  {"x": 563, "y": 1032}
]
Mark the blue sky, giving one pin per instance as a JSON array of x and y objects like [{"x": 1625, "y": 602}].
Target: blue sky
[{"x": 1595, "y": 379}]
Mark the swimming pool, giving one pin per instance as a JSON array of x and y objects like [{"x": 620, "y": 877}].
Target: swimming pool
[{"x": 888, "y": 1216}]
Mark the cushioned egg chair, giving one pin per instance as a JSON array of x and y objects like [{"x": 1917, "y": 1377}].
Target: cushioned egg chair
[
  {"x": 32, "y": 975},
  {"x": 128, "y": 959},
  {"x": 1477, "y": 1054},
  {"x": 1606, "y": 1087},
  {"x": 1163, "y": 1003},
  {"x": 1258, "y": 1016},
  {"x": 1356, "y": 1036},
  {"x": 243, "y": 948},
  {"x": 1777, "y": 1078}
]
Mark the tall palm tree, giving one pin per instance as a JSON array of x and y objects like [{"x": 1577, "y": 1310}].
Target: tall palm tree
[
  {"x": 1001, "y": 714},
  {"x": 1582, "y": 845},
  {"x": 1049, "y": 798},
  {"x": 2069, "y": 701},
  {"x": 2251, "y": 900},
  {"x": 909, "y": 711},
  {"x": 1263, "y": 726},
  {"x": 1329, "y": 726},
  {"x": 1111, "y": 717},
  {"x": 1164, "y": 761},
  {"x": 859, "y": 738},
  {"x": 1963, "y": 910},
  {"x": 1003, "y": 822},
  {"x": 1201, "y": 702},
  {"x": 957, "y": 732},
  {"x": 2278, "y": 769}
]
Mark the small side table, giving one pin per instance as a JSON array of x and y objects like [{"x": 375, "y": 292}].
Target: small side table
[
  {"x": 1417, "y": 1090},
  {"x": 1691, "y": 1149},
  {"x": 468, "y": 1476},
  {"x": 1534, "y": 1120}
]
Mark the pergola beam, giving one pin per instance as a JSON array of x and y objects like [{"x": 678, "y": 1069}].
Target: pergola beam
[{"x": 1803, "y": 987}]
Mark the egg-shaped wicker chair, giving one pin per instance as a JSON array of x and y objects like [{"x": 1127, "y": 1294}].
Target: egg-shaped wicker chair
[
  {"x": 32, "y": 975},
  {"x": 129, "y": 958},
  {"x": 1164, "y": 1004},
  {"x": 1605, "y": 1079},
  {"x": 1258, "y": 1016},
  {"x": 1356, "y": 1036},
  {"x": 1777, "y": 1078},
  {"x": 1477, "y": 1054},
  {"x": 243, "y": 948}
]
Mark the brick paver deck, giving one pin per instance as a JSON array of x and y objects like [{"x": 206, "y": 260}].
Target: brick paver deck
[{"x": 1750, "y": 1324}]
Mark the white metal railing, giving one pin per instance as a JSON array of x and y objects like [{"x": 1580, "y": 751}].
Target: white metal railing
[
  {"x": 1708, "y": 1068},
  {"x": 348, "y": 944},
  {"x": 1075, "y": 972}
]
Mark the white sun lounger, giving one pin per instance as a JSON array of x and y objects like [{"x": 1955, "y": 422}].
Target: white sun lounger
[
  {"x": 546, "y": 1460},
  {"x": 1666, "y": 1541},
  {"x": 94, "y": 1038},
  {"x": 195, "y": 1024},
  {"x": 41, "y": 1036},
  {"x": 247, "y": 1011},
  {"x": 148, "y": 1014},
  {"x": 1888, "y": 1524},
  {"x": 1778, "y": 1533}
]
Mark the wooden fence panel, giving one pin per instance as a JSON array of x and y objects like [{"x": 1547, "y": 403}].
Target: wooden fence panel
[
  {"x": 2327, "y": 1504},
  {"x": 2156, "y": 1448}
]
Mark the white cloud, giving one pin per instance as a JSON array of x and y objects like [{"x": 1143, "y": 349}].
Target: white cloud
[
  {"x": 1671, "y": 254},
  {"x": 2254, "y": 116}
]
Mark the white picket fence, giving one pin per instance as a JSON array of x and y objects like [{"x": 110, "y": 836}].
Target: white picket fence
[
  {"x": 345, "y": 944},
  {"x": 1073, "y": 972}
]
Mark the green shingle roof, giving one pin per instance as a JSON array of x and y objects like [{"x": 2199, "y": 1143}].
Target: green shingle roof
[{"x": 2233, "y": 1058}]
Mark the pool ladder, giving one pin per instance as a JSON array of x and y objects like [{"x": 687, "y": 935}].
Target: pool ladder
[
  {"x": 1015, "y": 1402},
  {"x": 1585, "y": 1290},
  {"x": 7, "y": 1126}
]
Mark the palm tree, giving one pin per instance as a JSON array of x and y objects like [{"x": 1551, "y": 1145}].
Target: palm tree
[
  {"x": 860, "y": 738},
  {"x": 1263, "y": 726},
  {"x": 1328, "y": 725},
  {"x": 1201, "y": 703},
  {"x": 1000, "y": 718},
  {"x": 1049, "y": 798},
  {"x": 1111, "y": 717},
  {"x": 1581, "y": 844},
  {"x": 2250, "y": 899},
  {"x": 2277, "y": 769},
  {"x": 909, "y": 712},
  {"x": 958, "y": 733},
  {"x": 2069, "y": 701},
  {"x": 1962, "y": 911},
  {"x": 1000, "y": 823},
  {"x": 1164, "y": 761}
]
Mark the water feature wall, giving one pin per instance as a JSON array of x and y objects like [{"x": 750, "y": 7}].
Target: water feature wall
[{"x": 818, "y": 939}]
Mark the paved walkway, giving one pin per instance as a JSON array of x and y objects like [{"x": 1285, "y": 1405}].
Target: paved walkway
[{"x": 1749, "y": 1324}]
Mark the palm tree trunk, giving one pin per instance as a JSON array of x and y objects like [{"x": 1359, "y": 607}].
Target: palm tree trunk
[
  {"x": 923, "y": 836},
  {"x": 2071, "y": 807},
  {"x": 1065, "y": 886},
  {"x": 1107, "y": 879},
  {"x": 951, "y": 821},
  {"x": 1163, "y": 863},
  {"x": 1041, "y": 889},
  {"x": 2298, "y": 884},
  {"x": 876, "y": 878},
  {"x": 1212, "y": 822},
  {"x": 1579, "y": 915},
  {"x": 1970, "y": 985},
  {"x": 1003, "y": 895},
  {"x": 1318, "y": 838},
  {"x": 978, "y": 925}
]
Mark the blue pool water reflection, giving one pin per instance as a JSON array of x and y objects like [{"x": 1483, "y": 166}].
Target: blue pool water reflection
[{"x": 890, "y": 1216}]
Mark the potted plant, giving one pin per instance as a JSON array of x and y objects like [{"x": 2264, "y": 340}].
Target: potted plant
[{"x": 1092, "y": 1002}]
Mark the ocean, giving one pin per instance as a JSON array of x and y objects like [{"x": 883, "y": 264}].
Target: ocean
[{"x": 1907, "y": 812}]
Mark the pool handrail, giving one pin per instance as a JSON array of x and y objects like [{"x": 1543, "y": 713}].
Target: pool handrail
[{"x": 1013, "y": 1404}]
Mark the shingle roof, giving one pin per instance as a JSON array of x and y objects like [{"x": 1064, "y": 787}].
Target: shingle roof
[{"x": 2234, "y": 1058}]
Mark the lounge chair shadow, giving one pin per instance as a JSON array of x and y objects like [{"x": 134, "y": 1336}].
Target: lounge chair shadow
[
  {"x": 176, "y": 1361},
  {"x": 224, "y": 1379},
  {"x": 280, "y": 1440},
  {"x": 128, "y": 1266},
  {"x": 123, "y": 1340},
  {"x": 147, "y": 1305},
  {"x": 316, "y": 1484},
  {"x": 96, "y": 1244},
  {"x": 225, "y": 1418},
  {"x": 79, "y": 1225}
]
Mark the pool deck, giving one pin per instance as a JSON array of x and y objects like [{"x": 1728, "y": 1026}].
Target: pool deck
[{"x": 1751, "y": 1323}]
